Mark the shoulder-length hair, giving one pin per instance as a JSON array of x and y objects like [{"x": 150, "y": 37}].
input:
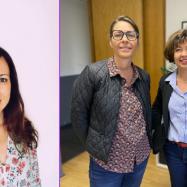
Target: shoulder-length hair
[{"x": 19, "y": 127}]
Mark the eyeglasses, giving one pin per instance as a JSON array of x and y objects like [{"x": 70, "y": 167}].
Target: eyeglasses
[{"x": 118, "y": 35}]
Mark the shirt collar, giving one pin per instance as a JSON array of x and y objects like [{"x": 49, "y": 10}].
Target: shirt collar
[
  {"x": 114, "y": 71},
  {"x": 172, "y": 79}
]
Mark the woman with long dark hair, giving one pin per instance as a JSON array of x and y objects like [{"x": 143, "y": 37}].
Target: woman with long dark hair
[{"x": 18, "y": 137}]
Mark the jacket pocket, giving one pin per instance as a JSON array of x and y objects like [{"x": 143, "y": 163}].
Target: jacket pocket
[{"x": 95, "y": 144}]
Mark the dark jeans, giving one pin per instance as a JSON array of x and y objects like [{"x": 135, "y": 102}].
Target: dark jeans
[
  {"x": 176, "y": 159},
  {"x": 100, "y": 177}
]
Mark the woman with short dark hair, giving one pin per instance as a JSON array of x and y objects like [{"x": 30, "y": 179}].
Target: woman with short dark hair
[{"x": 169, "y": 111}]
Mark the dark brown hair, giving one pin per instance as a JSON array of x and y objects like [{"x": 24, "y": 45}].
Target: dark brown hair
[
  {"x": 19, "y": 128},
  {"x": 173, "y": 42},
  {"x": 126, "y": 19}
]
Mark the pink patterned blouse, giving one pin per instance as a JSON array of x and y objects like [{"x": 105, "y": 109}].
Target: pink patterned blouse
[
  {"x": 19, "y": 170},
  {"x": 130, "y": 144}
]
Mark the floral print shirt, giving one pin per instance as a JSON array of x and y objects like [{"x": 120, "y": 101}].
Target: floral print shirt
[
  {"x": 130, "y": 144},
  {"x": 19, "y": 169}
]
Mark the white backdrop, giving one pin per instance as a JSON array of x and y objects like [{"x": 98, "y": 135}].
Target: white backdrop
[{"x": 29, "y": 31}]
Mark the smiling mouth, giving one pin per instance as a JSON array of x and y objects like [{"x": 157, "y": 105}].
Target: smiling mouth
[
  {"x": 125, "y": 48},
  {"x": 183, "y": 61}
]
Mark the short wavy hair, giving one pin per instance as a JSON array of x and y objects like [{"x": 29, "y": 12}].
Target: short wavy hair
[{"x": 173, "y": 42}]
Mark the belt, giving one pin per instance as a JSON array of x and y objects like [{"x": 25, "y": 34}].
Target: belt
[{"x": 180, "y": 144}]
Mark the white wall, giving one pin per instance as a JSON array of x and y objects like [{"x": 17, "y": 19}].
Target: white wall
[
  {"x": 30, "y": 33},
  {"x": 75, "y": 40},
  {"x": 175, "y": 14}
]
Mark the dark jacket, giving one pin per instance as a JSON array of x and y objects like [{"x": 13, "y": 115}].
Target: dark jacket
[
  {"x": 160, "y": 114},
  {"x": 95, "y": 107}
]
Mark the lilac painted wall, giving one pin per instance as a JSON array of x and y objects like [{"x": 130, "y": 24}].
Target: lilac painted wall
[{"x": 30, "y": 33}]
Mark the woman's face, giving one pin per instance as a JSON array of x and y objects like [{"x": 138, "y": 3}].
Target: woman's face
[
  {"x": 180, "y": 56},
  {"x": 124, "y": 48},
  {"x": 5, "y": 84}
]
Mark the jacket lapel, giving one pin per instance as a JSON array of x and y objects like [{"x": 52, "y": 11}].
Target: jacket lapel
[{"x": 167, "y": 90}]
